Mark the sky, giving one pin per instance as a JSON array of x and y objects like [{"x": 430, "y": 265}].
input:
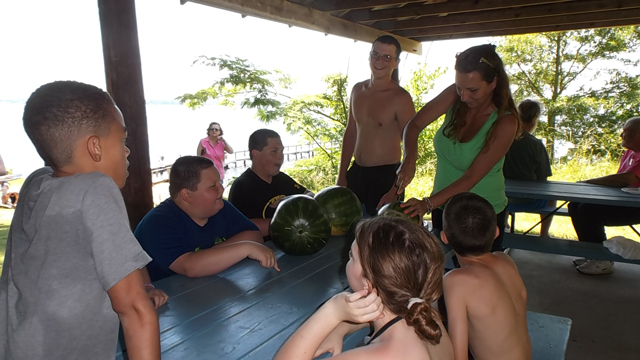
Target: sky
[
  {"x": 52, "y": 40},
  {"x": 43, "y": 40}
]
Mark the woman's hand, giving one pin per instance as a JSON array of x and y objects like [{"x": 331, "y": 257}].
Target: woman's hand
[
  {"x": 406, "y": 172},
  {"x": 357, "y": 307},
  {"x": 415, "y": 207}
]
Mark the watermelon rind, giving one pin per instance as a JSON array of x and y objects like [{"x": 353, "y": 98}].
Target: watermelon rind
[
  {"x": 342, "y": 206},
  {"x": 300, "y": 226}
]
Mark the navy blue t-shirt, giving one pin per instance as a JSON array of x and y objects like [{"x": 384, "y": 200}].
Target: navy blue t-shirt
[{"x": 167, "y": 232}]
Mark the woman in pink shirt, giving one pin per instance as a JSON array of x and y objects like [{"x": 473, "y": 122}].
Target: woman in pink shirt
[{"x": 214, "y": 147}]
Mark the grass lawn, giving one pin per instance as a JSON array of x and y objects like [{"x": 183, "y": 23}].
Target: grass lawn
[{"x": 5, "y": 220}]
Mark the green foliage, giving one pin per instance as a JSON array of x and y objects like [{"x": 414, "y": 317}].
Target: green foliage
[
  {"x": 551, "y": 67},
  {"x": 320, "y": 119},
  {"x": 257, "y": 89},
  {"x": 420, "y": 84},
  {"x": 316, "y": 173}
]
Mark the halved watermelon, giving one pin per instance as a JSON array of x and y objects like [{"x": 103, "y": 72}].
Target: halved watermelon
[
  {"x": 300, "y": 226},
  {"x": 343, "y": 207},
  {"x": 394, "y": 209}
]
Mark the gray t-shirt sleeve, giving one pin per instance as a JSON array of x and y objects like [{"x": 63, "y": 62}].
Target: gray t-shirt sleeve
[{"x": 115, "y": 251}]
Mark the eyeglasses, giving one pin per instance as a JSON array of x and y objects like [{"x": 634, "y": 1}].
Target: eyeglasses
[
  {"x": 374, "y": 55},
  {"x": 481, "y": 61},
  {"x": 214, "y": 129}
]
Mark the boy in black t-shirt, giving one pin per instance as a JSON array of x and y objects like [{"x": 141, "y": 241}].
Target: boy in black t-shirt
[{"x": 259, "y": 190}]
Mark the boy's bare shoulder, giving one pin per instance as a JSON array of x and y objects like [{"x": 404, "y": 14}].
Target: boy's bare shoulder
[
  {"x": 504, "y": 259},
  {"x": 468, "y": 275}
]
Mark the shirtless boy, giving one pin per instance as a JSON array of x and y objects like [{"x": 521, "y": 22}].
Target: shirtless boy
[
  {"x": 486, "y": 299},
  {"x": 379, "y": 110}
]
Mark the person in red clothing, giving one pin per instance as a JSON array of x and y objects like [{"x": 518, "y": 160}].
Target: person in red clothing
[{"x": 589, "y": 220}]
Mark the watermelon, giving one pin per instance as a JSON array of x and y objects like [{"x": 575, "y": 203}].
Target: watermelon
[
  {"x": 343, "y": 207},
  {"x": 394, "y": 209},
  {"x": 300, "y": 226}
]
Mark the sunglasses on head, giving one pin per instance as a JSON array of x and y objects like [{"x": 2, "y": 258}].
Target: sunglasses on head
[{"x": 481, "y": 61}]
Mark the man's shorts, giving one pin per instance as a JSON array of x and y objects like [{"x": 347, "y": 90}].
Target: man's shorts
[{"x": 371, "y": 183}]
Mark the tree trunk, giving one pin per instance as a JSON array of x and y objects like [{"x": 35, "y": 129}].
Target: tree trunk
[{"x": 551, "y": 134}]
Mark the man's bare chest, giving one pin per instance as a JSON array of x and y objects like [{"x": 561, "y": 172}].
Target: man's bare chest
[{"x": 374, "y": 108}]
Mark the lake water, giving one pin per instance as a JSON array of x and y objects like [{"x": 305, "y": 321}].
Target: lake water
[{"x": 174, "y": 130}]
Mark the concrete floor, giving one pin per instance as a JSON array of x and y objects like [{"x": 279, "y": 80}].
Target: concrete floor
[{"x": 605, "y": 309}]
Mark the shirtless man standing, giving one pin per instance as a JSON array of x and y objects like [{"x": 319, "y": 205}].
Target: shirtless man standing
[{"x": 378, "y": 112}]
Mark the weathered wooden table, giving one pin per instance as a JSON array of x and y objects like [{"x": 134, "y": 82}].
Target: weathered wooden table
[
  {"x": 566, "y": 191},
  {"x": 247, "y": 312}
]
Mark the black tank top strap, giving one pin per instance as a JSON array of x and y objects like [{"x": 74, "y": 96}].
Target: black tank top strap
[{"x": 382, "y": 330}]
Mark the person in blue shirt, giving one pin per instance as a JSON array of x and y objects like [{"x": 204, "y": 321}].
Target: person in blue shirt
[{"x": 195, "y": 232}]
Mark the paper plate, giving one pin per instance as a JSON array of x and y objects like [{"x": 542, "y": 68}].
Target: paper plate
[{"x": 631, "y": 190}]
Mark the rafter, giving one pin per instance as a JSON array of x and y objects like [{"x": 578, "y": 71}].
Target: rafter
[
  {"x": 539, "y": 11},
  {"x": 340, "y": 5},
  {"x": 531, "y": 30},
  {"x": 559, "y": 20},
  {"x": 298, "y": 15},
  {"x": 441, "y": 9}
]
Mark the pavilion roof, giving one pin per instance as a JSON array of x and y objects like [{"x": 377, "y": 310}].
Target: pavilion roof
[{"x": 413, "y": 22}]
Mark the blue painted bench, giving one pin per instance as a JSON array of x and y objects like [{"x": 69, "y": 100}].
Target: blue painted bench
[{"x": 575, "y": 248}]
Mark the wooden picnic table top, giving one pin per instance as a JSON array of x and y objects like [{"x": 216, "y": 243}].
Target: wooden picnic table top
[
  {"x": 568, "y": 191},
  {"x": 247, "y": 312}
]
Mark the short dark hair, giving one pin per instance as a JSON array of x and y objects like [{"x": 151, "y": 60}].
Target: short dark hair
[
  {"x": 260, "y": 138},
  {"x": 390, "y": 40},
  {"x": 529, "y": 111},
  {"x": 58, "y": 114},
  {"x": 469, "y": 222},
  {"x": 185, "y": 173}
]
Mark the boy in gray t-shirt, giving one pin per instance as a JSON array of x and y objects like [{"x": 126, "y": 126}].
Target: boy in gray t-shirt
[{"x": 71, "y": 268}]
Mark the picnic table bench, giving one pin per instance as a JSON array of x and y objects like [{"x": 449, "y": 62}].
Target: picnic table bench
[{"x": 247, "y": 312}]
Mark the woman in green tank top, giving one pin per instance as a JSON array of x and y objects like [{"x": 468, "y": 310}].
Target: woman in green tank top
[{"x": 480, "y": 125}]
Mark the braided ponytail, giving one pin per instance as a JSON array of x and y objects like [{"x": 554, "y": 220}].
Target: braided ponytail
[{"x": 402, "y": 259}]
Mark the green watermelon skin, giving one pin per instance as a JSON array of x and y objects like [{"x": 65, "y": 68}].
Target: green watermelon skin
[
  {"x": 342, "y": 206},
  {"x": 394, "y": 209},
  {"x": 300, "y": 226}
]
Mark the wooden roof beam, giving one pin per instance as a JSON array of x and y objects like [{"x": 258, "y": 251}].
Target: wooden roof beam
[
  {"x": 568, "y": 8},
  {"x": 532, "y": 30},
  {"x": 445, "y": 8},
  {"x": 296, "y": 15},
  {"x": 341, "y": 5},
  {"x": 628, "y": 14}
]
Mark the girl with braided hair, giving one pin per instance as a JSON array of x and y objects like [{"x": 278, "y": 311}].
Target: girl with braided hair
[{"x": 395, "y": 270}]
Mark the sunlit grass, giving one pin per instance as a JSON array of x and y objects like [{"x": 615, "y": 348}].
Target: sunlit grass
[{"x": 5, "y": 220}]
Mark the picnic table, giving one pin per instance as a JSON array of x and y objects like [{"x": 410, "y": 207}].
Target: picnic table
[
  {"x": 565, "y": 192},
  {"x": 247, "y": 312},
  {"x": 568, "y": 191}
]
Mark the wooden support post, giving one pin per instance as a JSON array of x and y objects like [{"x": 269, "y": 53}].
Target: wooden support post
[{"x": 123, "y": 72}]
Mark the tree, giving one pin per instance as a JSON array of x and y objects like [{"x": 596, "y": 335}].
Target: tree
[
  {"x": 564, "y": 71},
  {"x": 420, "y": 84},
  {"x": 320, "y": 119}
]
